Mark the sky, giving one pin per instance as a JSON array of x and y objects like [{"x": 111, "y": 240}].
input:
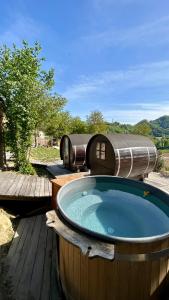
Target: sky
[{"x": 108, "y": 55}]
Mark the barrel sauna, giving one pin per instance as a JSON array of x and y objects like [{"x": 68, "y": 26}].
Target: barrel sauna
[
  {"x": 125, "y": 155},
  {"x": 73, "y": 150}
]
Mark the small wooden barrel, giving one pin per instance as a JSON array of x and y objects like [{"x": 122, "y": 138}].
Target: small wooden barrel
[
  {"x": 124, "y": 155},
  {"x": 85, "y": 278}
]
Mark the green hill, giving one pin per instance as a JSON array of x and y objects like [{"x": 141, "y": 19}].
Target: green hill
[{"x": 160, "y": 126}]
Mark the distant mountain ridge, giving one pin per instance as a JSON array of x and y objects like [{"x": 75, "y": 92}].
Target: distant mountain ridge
[{"x": 160, "y": 126}]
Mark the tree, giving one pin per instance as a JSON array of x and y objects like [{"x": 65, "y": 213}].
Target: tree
[
  {"x": 49, "y": 114},
  {"x": 116, "y": 127},
  {"x": 142, "y": 128},
  {"x": 22, "y": 84},
  {"x": 64, "y": 124},
  {"x": 78, "y": 126},
  {"x": 2, "y": 144},
  {"x": 96, "y": 123},
  {"x": 59, "y": 125}
]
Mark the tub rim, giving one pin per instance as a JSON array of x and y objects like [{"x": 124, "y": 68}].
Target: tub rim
[{"x": 111, "y": 238}]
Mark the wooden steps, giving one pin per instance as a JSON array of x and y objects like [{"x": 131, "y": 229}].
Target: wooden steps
[{"x": 32, "y": 261}]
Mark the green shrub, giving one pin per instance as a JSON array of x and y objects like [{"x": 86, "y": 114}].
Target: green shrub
[
  {"x": 160, "y": 164},
  {"x": 27, "y": 169}
]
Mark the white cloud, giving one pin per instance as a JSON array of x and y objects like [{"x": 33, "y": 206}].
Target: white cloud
[
  {"x": 152, "y": 75},
  {"x": 129, "y": 113},
  {"x": 20, "y": 27},
  {"x": 147, "y": 111},
  {"x": 109, "y": 92},
  {"x": 148, "y": 34}
]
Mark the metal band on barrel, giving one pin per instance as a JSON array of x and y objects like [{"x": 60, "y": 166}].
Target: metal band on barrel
[
  {"x": 74, "y": 148},
  {"x": 118, "y": 155},
  {"x": 131, "y": 167},
  {"x": 143, "y": 256},
  {"x": 148, "y": 163}
]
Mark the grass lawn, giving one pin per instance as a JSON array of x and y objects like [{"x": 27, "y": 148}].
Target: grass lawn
[
  {"x": 44, "y": 154},
  {"x": 164, "y": 151}
]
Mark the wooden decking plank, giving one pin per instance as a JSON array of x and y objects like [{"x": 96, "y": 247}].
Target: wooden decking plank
[
  {"x": 33, "y": 186},
  {"x": 20, "y": 187},
  {"x": 34, "y": 288},
  {"x": 15, "y": 260},
  {"x": 3, "y": 184},
  {"x": 6, "y": 184},
  {"x": 28, "y": 186},
  {"x": 33, "y": 262},
  {"x": 20, "y": 183},
  {"x": 45, "y": 288},
  {"x": 16, "y": 238},
  {"x": 37, "y": 189},
  {"x": 3, "y": 178},
  {"x": 41, "y": 190},
  {"x": 13, "y": 186},
  {"x": 5, "y": 175},
  {"x": 46, "y": 187},
  {"x": 21, "y": 291},
  {"x": 24, "y": 186},
  {"x": 50, "y": 188},
  {"x": 54, "y": 286}
]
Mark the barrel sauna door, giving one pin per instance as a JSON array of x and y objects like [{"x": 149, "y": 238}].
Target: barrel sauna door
[
  {"x": 66, "y": 152},
  {"x": 102, "y": 158}
]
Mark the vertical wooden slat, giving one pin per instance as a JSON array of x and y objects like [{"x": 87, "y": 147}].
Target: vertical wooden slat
[
  {"x": 64, "y": 264},
  {"x": 163, "y": 264},
  {"x": 17, "y": 258},
  {"x": 45, "y": 288},
  {"x": 155, "y": 269},
  {"x": 55, "y": 288},
  {"x": 93, "y": 280},
  {"x": 34, "y": 286},
  {"x": 110, "y": 280},
  {"x": 101, "y": 278},
  {"x": 84, "y": 276},
  {"x": 70, "y": 270},
  {"x": 28, "y": 265},
  {"x": 76, "y": 271},
  {"x": 123, "y": 276}
]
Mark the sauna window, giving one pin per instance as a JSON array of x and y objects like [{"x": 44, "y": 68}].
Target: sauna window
[{"x": 100, "y": 151}]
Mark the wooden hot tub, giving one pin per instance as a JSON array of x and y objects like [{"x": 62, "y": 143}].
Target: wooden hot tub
[{"x": 117, "y": 248}]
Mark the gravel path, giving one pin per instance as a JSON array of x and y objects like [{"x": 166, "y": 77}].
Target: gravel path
[{"x": 158, "y": 180}]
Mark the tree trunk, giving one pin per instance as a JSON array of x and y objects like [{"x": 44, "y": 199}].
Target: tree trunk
[
  {"x": 35, "y": 137},
  {"x": 2, "y": 144}
]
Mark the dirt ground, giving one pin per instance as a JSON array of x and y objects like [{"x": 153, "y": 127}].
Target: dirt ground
[
  {"x": 166, "y": 162},
  {"x": 165, "y": 156}
]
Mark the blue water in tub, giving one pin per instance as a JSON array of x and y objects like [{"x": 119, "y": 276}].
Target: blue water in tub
[{"x": 121, "y": 211}]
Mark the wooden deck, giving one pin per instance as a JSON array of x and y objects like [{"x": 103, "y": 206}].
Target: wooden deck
[
  {"x": 14, "y": 186},
  {"x": 32, "y": 261}
]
